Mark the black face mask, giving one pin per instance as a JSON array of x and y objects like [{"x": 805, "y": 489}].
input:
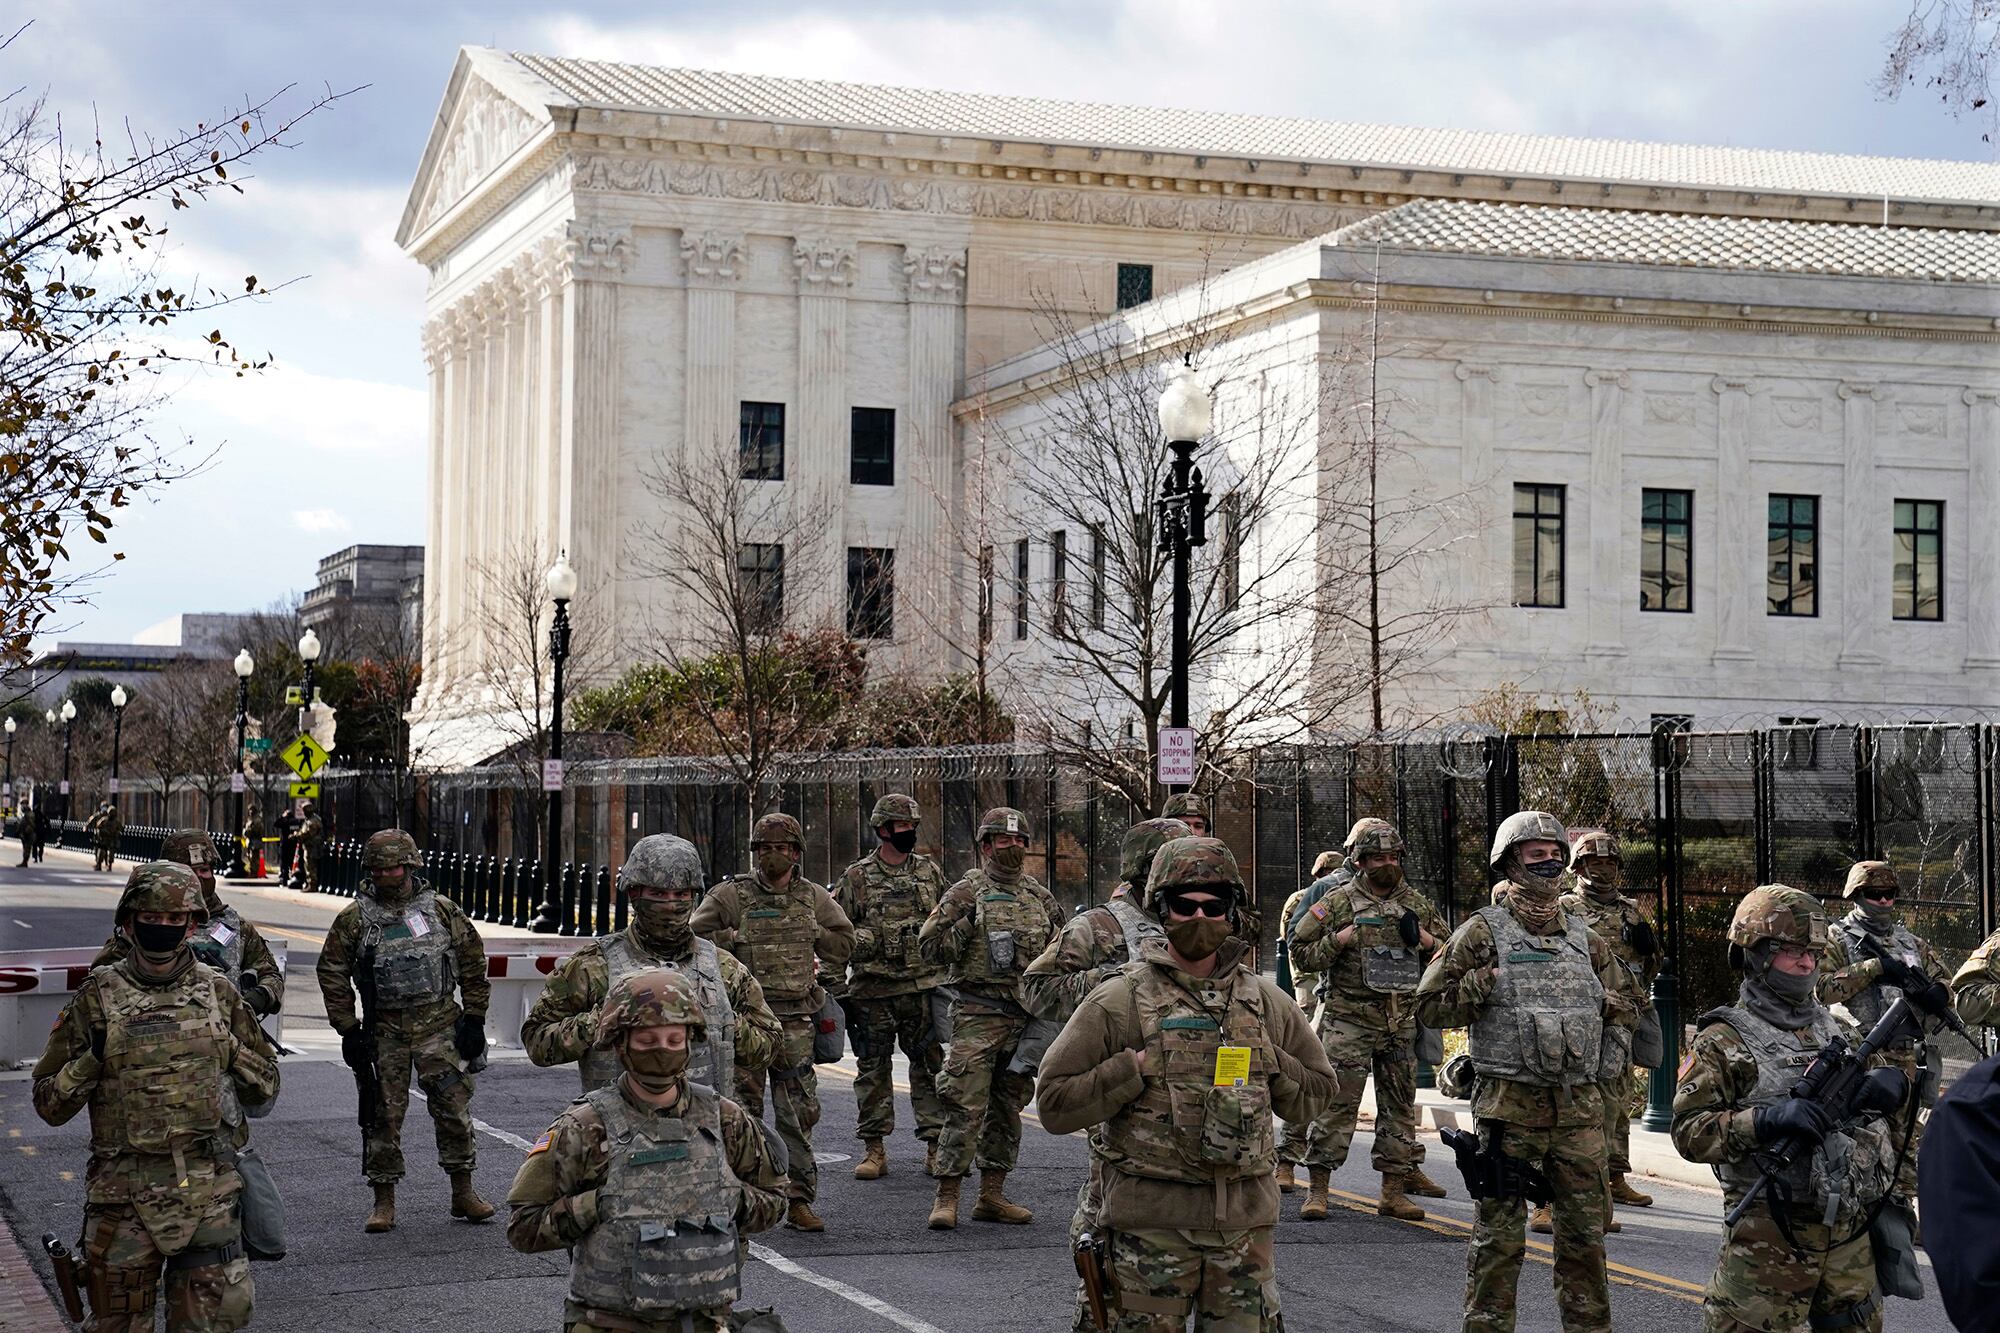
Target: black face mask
[
  {"x": 158, "y": 942},
  {"x": 904, "y": 840}
]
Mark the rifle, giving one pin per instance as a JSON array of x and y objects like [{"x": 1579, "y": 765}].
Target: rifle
[
  {"x": 368, "y": 1081},
  {"x": 1912, "y": 980},
  {"x": 1491, "y": 1174},
  {"x": 65, "y": 1266},
  {"x": 1092, "y": 1255}
]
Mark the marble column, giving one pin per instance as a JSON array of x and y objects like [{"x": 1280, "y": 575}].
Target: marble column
[
  {"x": 546, "y": 484},
  {"x": 1739, "y": 535},
  {"x": 816, "y": 453},
  {"x": 591, "y": 527},
  {"x": 1864, "y": 515},
  {"x": 926, "y": 452},
  {"x": 440, "y": 355},
  {"x": 1484, "y": 570},
  {"x": 458, "y": 571},
  {"x": 713, "y": 263},
  {"x": 1982, "y": 588},
  {"x": 1609, "y": 593}
]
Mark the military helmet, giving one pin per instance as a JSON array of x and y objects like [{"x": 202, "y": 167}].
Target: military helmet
[
  {"x": 775, "y": 827},
  {"x": 661, "y": 861},
  {"x": 649, "y": 999},
  {"x": 1869, "y": 875},
  {"x": 189, "y": 847},
  {"x": 1526, "y": 826},
  {"x": 308, "y": 807},
  {"x": 895, "y": 808},
  {"x": 1326, "y": 863},
  {"x": 390, "y": 847},
  {"x": 1002, "y": 819},
  {"x": 1193, "y": 863},
  {"x": 161, "y": 886},
  {"x": 1454, "y": 1076},
  {"x": 1371, "y": 835},
  {"x": 1142, "y": 840},
  {"x": 1594, "y": 842},
  {"x": 1182, "y": 804},
  {"x": 1778, "y": 912}
]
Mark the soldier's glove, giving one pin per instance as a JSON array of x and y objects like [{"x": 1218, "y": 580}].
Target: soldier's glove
[
  {"x": 1409, "y": 929},
  {"x": 1897, "y": 973},
  {"x": 1641, "y": 937},
  {"x": 261, "y": 1001},
  {"x": 1932, "y": 997},
  {"x": 1883, "y": 1091},
  {"x": 1793, "y": 1118},
  {"x": 469, "y": 1036},
  {"x": 97, "y": 1044},
  {"x": 356, "y": 1051}
]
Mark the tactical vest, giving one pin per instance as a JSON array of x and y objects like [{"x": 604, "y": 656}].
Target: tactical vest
[
  {"x": 1544, "y": 1025},
  {"x": 1381, "y": 961},
  {"x": 410, "y": 968},
  {"x": 709, "y": 1060},
  {"x": 1854, "y": 1166},
  {"x": 220, "y": 943},
  {"x": 166, "y": 1054},
  {"x": 1136, "y": 924},
  {"x": 775, "y": 936},
  {"x": 899, "y": 901},
  {"x": 1010, "y": 928},
  {"x": 1181, "y": 1127},
  {"x": 665, "y": 1238},
  {"x": 1870, "y": 1004}
]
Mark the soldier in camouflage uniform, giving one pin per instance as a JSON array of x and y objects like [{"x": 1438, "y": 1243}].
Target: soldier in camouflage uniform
[
  {"x": 983, "y": 934},
  {"x": 1190, "y": 810},
  {"x": 307, "y": 839},
  {"x": 1783, "y": 1266},
  {"x": 104, "y": 828},
  {"x": 225, "y": 941},
  {"x": 661, "y": 879},
  {"x": 1370, "y": 937},
  {"x": 1094, "y": 947},
  {"x": 164, "y": 1053},
  {"x": 1599, "y": 865},
  {"x": 1867, "y": 952},
  {"x": 777, "y": 921},
  {"x": 1525, "y": 966},
  {"x": 1976, "y": 985},
  {"x": 650, "y": 1181},
  {"x": 1305, "y": 988},
  {"x": 888, "y": 895},
  {"x": 1176, "y": 1065},
  {"x": 406, "y": 950}
]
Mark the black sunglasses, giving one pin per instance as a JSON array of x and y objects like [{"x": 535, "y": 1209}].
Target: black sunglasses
[
  {"x": 1879, "y": 895},
  {"x": 1210, "y": 907}
]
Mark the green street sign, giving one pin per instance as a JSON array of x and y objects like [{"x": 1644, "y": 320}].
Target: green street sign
[{"x": 258, "y": 745}]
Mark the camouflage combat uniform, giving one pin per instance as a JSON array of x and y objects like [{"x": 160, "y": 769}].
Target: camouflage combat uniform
[
  {"x": 1741, "y": 1062},
  {"x": 104, "y": 827},
  {"x": 1976, "y": 984},
  {"x": 307, "y": 839},
  {"x": 776, "y": 933},
  {"x": 889, "y": 985},
  {"x": 650, "y": 1201},
  {"x": 1498, "y": 975},
  {"x": 1193, "y": 811},
  {"x": 1190, "y": 1201},
  {"x": 164, "y": 1063},
  {"x": 225, "y": 941}
]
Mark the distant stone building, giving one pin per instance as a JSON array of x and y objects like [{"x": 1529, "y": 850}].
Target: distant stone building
[
  {"x": 190, "y": 637},
  {"x": 368, "y": 599}
]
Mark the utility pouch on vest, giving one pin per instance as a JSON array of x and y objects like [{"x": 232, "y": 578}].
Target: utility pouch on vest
[
  {"x": 1000, "y": 950},
  {"x": 262, "y": 1207},
  {"x": 1236, "y": 1126},
  {"x": 1649, "y": 1043},
  {"x": 1892, "y": 1235},
  {"x": 1430, "y": 1046},
  {"x": 1033, "y": 1045},
  {"x": 1390, "y": 970},
  {"x": 942, "y": 998},
  {"x": 829, "y": 1033}
]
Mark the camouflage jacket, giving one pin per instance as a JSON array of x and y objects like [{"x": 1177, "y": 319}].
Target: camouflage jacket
[
  {"x": 947, "y": 937},
  {"x": 1455, "y": 989},
  {"x": 1843, "y": 979},
  {"x": 888, "y": 906},
  {"x": 563, "y": 1023},
  {"x": 1613, "y": 923},
  {"x": 256, "y": 958},
  {"x": 310, "y": 830},
  {"x": 1089, "y": 951},
  {"x": 338, "y": 960},
  {"x": 554, "y": 1198},
  {"x": 1304, "y": 983},
  {"x": 1316, "y": 947},
  {"x": 104, "y": 827},
  {"x": 719, "y": 914},
  {"x": 66, "y": 1080},
  {"x": 1977, "y": 984}
]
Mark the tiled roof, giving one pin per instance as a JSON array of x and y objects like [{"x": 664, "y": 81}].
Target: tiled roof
[
  {"x": 603, "y": 83},
  {"x": 1680, "y": 240}
]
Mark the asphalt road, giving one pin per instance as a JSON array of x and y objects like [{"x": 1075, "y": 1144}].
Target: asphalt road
[{"x": 876, "y": 1267}]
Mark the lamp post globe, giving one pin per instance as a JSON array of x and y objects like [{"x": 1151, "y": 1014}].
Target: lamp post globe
[
  {"x": 69, "y": 710},
  {"x": 246, "y": 665}
]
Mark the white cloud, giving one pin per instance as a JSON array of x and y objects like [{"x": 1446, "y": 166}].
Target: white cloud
[
  {"x": 320, "y": 520},
  {"x": 295, "y": 409}
]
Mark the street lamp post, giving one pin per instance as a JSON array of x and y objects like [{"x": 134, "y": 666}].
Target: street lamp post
[
  {"x": 562, "y": 587},
  {"x": 68, "y": 721},
  {"x": 118, "y": 701},
  {"x": 246, "y": 666},
  {"x": 1181, "y": 515},
  {"x": 7, "y": 788}
]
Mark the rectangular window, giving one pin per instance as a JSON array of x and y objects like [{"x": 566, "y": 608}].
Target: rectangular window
[
  {"x": 985, "y": 594},
  {"x": 1135, "y": 285},
  {"x": 871, "y": 592},
  {"x": 1538, "y": 545},
  {"x": 760, "y": 440},
  {"x": 1231, "y": 573},
  {"x": 1097, "y": 590},
  {"x": 1791, "y": 561},
  {"x": 1666, "y": 550},
  {"x": 760, "y": 578},
  {"x": 1919, "y": 572},
  {"x": 1021, "y": 588},
  {"x": 872, "y": 446},
  {"x": 1059, "y": 582},
  {"x": 1795, "y": 743}
]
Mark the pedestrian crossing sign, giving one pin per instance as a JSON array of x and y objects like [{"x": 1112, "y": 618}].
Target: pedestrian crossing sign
[
  {"x": 304, "y": 756},
  {"x": 310, "y": 790}
]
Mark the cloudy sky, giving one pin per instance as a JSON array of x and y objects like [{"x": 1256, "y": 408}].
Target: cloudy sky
[{"x": 326, "y": 449}]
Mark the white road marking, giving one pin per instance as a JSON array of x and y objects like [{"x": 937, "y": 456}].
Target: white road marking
[
  {"x": 764, "y": 1254},
  {"x": 22, "y": 924}
]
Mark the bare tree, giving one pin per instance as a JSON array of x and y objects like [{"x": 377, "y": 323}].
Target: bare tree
[
  {"x": 1949, "y": 48},
  {"x": 387, "y": 650},
  {"x": 184, "y": 731}
]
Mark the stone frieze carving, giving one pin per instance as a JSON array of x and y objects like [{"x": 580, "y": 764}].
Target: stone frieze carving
[
  {"x": 488, "y": 129},
  {"x": 1797, "y": 413}
]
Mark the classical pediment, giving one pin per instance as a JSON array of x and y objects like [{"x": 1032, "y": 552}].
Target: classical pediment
[{"x": 479, "y": 128}]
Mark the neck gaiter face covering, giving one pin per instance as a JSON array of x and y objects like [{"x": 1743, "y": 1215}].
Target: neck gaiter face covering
[
  {"x": 1383, "y": 880},
  {"x": 664, "y": 924},
  {"x": 1198, "y": 937},
  {"x": 1534, "y": 893},
  {"x": 156, "y": 943},
  {"x": 1778, "y": 998},
  {"x": 904, "y": 841},
  {"x": 1006, "y": 862},
  {"x": 774, "y": 865},
  {"x": 655, "y": 1071}
]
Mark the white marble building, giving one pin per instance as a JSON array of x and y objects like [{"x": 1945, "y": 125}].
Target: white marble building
[{"x": 629, "y": 263}]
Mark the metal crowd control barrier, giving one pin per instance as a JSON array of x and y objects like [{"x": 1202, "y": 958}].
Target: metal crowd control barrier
[{"x": 36, "y": 983}]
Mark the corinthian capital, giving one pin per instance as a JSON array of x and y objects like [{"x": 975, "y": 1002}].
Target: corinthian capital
[
  {"x": 934, "y": 274},
  {"x": 823, "y": 264},
  {"x": 596, "y": 251},
  {"x": 712, "y": 258}
]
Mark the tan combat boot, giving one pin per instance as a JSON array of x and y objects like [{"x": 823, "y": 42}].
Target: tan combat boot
[
  {"x": 1417, "y": 1183},
  {"x": 1314, "y": 1208},
  {"x": 1621, "y": 1192},
  {"x": 1288, "y": 1181},
  {"x": 1393, "y": 1204},
  {"x": 875, "y": 1164},
  {"x": 465, "y": 1201},
  {"x": 994, "y": 1206},
  {"x": 944, "y": 1212},
  {"x": 384, "y": 1214},
  {"x": 801, "y": 1217},
  {"x": 1542, "y": 1220}
]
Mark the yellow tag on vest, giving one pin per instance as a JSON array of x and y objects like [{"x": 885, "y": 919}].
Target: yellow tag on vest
[{"x": 1232, "y": 1066}]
